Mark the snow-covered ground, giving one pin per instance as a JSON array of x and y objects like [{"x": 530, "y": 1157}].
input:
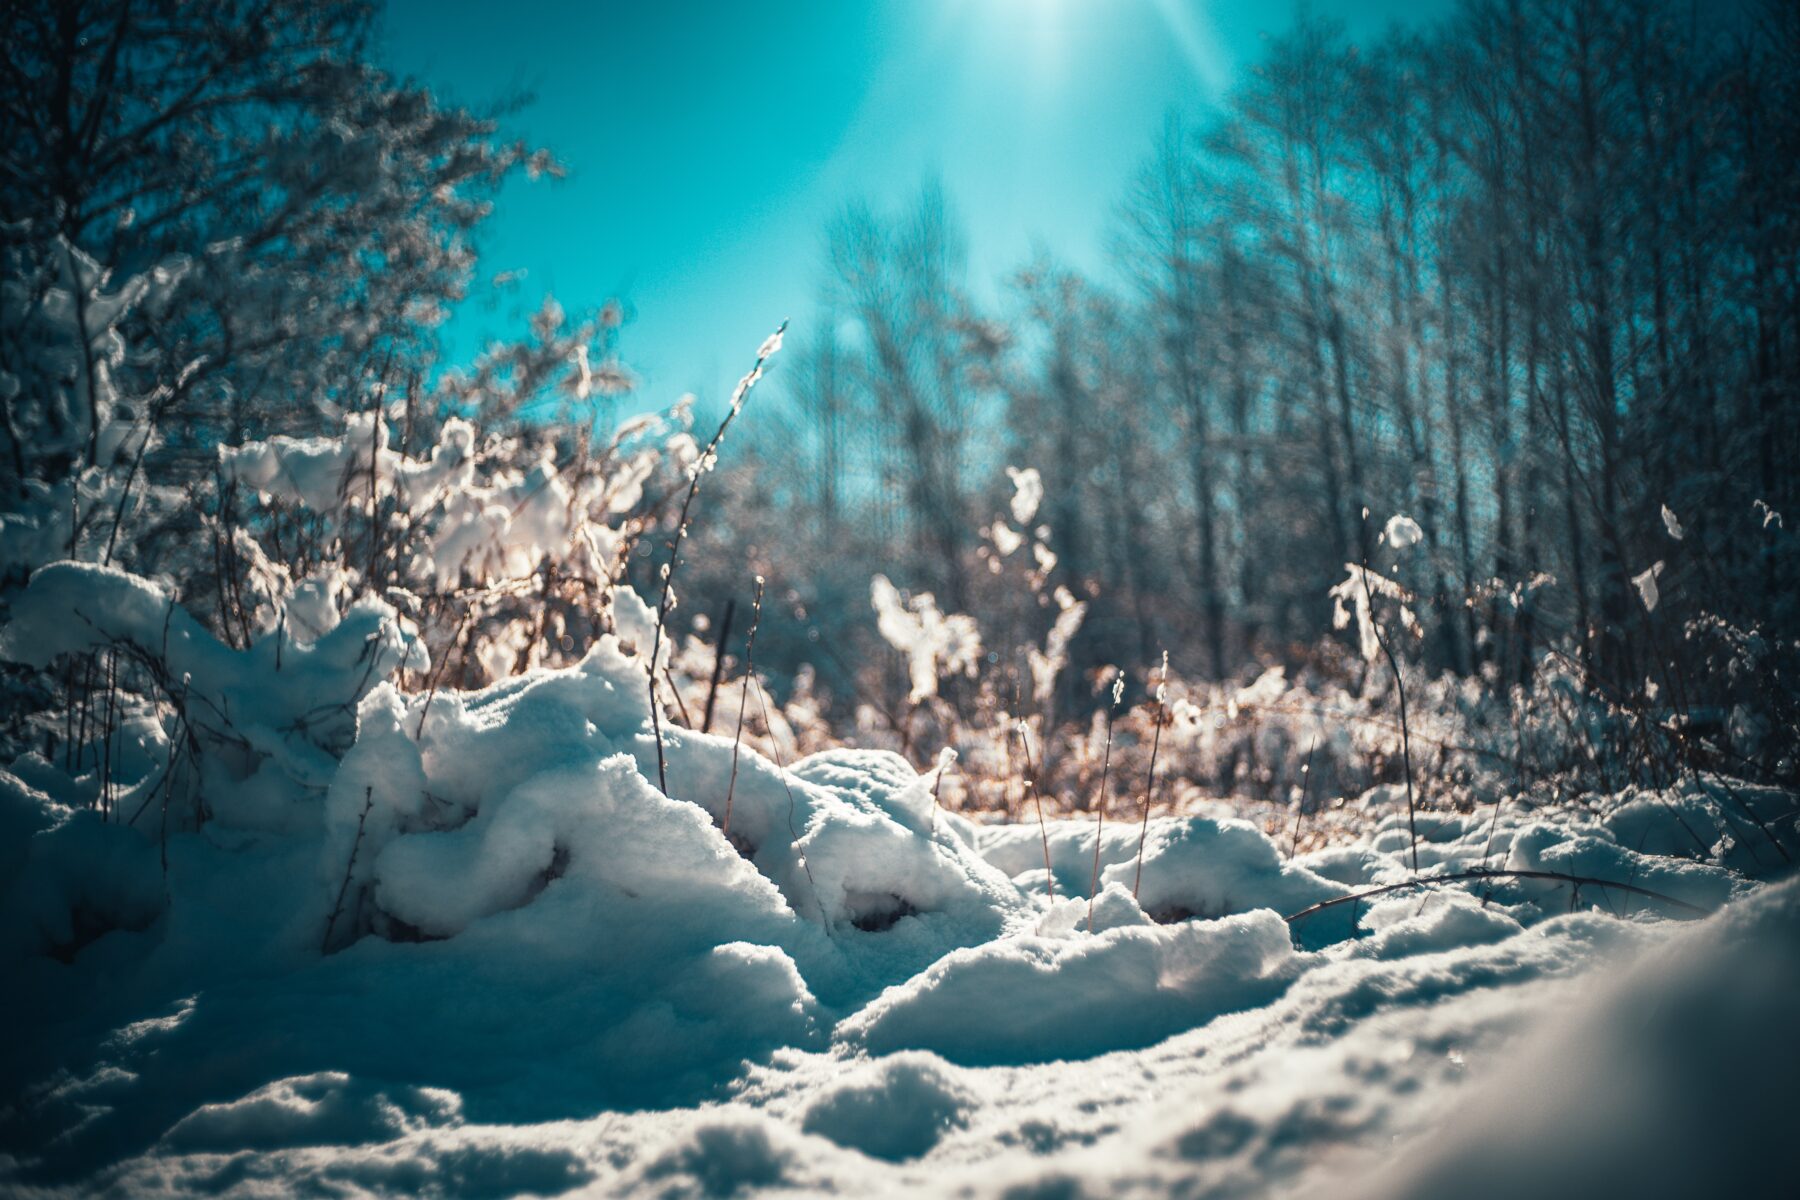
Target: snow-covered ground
[{"x": 481, "y": 954}]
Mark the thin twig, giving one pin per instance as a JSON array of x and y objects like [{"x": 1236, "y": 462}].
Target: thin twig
[
  {"x": 1412, "y": 828},
  {"x": 1305, "y": 792},
  {"x": 1118, "y": 692},
  {"x": 1150, "y": 785},
  {"x": 701, "y": 466},
  {"x": 1032, "y": 783},
  {"x": 737, "y": 739},
  {"x": 349, "y": 868},
  {"x": 1467, "y": 876},
  {"x": 718, "y": 671},
  {"x": 437, "y": 669},
  {"x": 781, "y": 772},
  {"x": 674, "y": 690}
]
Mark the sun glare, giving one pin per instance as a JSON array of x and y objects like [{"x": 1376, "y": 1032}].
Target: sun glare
[{"x": 1043, "y": 37}]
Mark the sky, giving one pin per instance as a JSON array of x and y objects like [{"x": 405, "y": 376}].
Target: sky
[{"x": 710, "y": 142}]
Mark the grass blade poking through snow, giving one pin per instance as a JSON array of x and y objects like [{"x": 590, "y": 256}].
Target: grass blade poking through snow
[
  {"x": 709, "y": 458},
  {"x": 1118, "y": 694},
  {"x": 946, "y": 759},
  {"x": 737, "y": 740},
  {"x": 1032, "y": 784},
  {"x": 762, "y": 703},
  {"x": 1305, "y": 792},
  {"x": 1412, "y": 828},
  {"x": 718, "y": 671},
  {"x": 1161, "y": 718}
]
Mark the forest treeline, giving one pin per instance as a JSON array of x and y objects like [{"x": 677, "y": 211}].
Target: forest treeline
[{"x": 1527, "y": 275}]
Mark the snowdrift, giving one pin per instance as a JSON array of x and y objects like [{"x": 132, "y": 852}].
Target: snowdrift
[{"x": 460, "y": 943}]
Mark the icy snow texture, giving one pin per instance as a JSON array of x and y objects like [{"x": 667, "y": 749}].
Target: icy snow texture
[
  {"x": 1324, "y": 1091},
  {"x": 1677, "y": 1081}
]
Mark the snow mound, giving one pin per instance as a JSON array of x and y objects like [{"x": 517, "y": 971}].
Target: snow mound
[
  {"x": 1442, "y": 921},
  {"x": 1190, "y": 867},
  {"x": 329, "y": 1108},
  {"x": 1204, "y": 868},
  {"x": 68, "y": 878},
  {"x": 724, "y": 1156},
  {"x": 452, "y": 810},
  {"x": 1074, "y": 998},
  {"x": 847, "y": 836},
  {"x": 894, "y": 1108}
]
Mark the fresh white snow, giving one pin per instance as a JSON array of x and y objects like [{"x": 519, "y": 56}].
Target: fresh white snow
[{"x": 482, "y": 955}]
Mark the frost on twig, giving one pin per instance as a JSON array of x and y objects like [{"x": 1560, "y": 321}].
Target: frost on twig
[
  {"x": 1645, "y": 583},
  {"x": 1047, "y": 663},
  {"x": 1028, "y": 493},
  {"x": 666, "y": 603},
  {"x": 1672, "y": 523},
  {"x": 1402, "y": 531},
  {"x": 1353, "y": 596},
  {"x": 934, "y": 643}
]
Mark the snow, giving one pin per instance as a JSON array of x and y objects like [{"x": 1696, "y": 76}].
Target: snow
[
  {"x": 326, "y": 1109},
  {"x": 934, "y": 643},
  {"x": 459, "y": 943},
  {"x": 1645, "y": 583},
  {"x": 318, "y": 472},
  {"x": 1401, "y": 531},
  {"x": 1028, "y": 493},
  {"x": 1675, "y": 1081},
  {"x": 1358, "y": 590},
  {"x": 1005, "y": 538},
  {"x": 896, "y": 1108},
  {"x": 1047, "y": 663},
  {"x": 1122, "y": 988},
  {"x": 61, "y": 867}
]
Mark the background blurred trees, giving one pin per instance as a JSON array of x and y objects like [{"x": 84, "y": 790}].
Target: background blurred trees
[{"x": 1528, "y": 276}]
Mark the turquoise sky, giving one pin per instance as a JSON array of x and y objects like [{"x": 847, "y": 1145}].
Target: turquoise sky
[{"x": 709, "y": 142}]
